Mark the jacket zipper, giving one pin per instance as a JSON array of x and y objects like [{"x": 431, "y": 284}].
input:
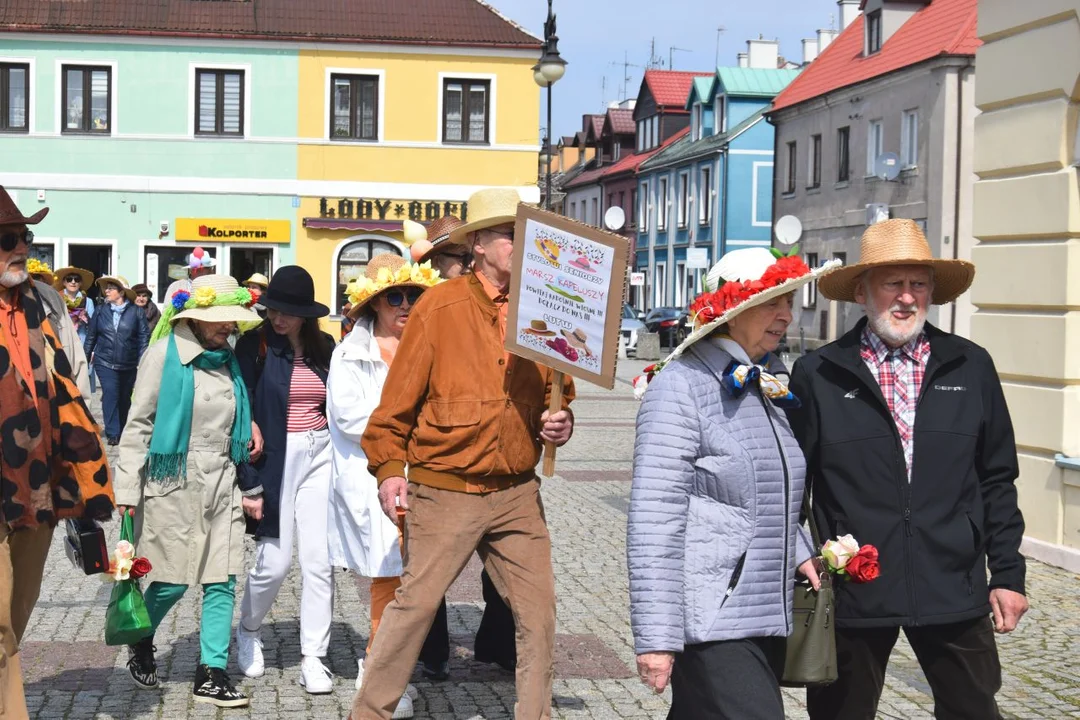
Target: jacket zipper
[
  {"x": 735, "y": 575},
  {"x": 787, "y": 510}
]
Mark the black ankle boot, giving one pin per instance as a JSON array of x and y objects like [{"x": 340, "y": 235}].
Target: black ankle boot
[
  {"x": 142, "y": 665},
  {"x": 212, "y": 685}
]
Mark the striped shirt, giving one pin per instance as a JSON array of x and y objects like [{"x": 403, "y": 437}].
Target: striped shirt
[{"x": 307, "y": 399}]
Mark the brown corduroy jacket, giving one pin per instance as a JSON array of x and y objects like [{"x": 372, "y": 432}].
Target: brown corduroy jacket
[{"x": 460, "y": 415}]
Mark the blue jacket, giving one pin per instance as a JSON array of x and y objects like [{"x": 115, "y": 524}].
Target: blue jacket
[
  {"x": 118, "y": 348},
  {"x": 268, "y": 380}
]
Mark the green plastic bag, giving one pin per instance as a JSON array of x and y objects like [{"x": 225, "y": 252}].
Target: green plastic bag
[{"x": 126, "y": 621}]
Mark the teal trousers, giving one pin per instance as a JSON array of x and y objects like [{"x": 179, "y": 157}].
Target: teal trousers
[{"x": 215, "y": 631}]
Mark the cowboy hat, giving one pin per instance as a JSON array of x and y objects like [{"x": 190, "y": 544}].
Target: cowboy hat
[
  {"x": 292, "y": 292},
  {"x": 436, "y": 240},
  {"x": 743, "y": 279},
  {"x": 87, "y": 277},
  {"x": 10, "y": 214},
  {"x": 257, "y": 279},
  {"x": 40, "y": 271},
  {"x": 105, "y": 280},
  {"x": 487, "y": 208},
  {"x": 383, "y": 273},
  {"x": 899, "y": 242},
  {"x": 214, "y": 298}
]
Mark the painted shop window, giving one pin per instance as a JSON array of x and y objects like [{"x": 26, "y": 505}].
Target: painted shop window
[
  {"x": 815, "y": 161},
  {"x": 466, "y": 111},
  {"x": 353, "y": 260},
  {"x": 843, "y": 154},
  {"x": 705, "y": 196},
  {"x": 14, "y": 98},
  {"x": 87, "y": 99},
  {"x": 354, "y": 114},
  {"x": 219, "y": 103},
  {"x": 792, "y": 165}
]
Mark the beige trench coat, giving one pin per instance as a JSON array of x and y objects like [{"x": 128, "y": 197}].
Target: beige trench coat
[{"x": 192, "y": 531}]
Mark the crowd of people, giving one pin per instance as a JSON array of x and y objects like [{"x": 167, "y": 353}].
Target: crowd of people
[{"x": 412, "y": 444}]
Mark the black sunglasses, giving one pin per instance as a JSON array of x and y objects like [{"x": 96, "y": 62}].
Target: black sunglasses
[
  {"x": 73, "y": 278},
  {"x": 394, "y": 298},
  {"x": 9, "y": 240}
]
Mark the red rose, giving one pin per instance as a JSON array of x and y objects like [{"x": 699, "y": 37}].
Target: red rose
[
  {"x": 864, "y": 567},
  {"x": 140, "y": 566}
]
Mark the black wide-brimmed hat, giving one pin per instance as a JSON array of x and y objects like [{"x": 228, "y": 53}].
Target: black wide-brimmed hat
[{"x": 292, "y": 291}]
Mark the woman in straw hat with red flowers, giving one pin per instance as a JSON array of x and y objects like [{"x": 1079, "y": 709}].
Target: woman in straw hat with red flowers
[{"x": 713, "y": 539}]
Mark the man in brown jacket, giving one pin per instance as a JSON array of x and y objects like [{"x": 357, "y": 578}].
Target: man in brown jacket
[{"x": 468, "y": 419}]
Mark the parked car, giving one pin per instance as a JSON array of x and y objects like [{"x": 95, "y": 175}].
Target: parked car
[
  {"x": 671, "y": 323},
  {"x": 631, "y": 326}
]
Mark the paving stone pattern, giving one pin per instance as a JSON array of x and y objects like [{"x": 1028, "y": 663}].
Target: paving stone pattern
[{"x": 70, "y": 673}]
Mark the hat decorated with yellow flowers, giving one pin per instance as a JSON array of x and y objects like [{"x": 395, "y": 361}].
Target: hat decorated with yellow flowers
[
  {"x": 40, "y": 271},
  {"x": 384, "y": 272}
]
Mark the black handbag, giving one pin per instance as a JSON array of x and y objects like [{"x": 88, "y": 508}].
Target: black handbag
[
  {"x": 85, "y": 546},
  {"x": 811, "y": 647}
]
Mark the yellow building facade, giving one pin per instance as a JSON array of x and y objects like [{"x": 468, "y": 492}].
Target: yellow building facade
[{"x": 404, "y": 133}]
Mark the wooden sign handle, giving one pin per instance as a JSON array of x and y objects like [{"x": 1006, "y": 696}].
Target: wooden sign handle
[{"x": 553, "y": 407}]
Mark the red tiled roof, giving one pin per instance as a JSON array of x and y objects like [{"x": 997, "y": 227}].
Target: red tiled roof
[
  {"x": 632, "y": 162},
  {"x": 670, "y": 88},
  {"x": 589, "y": 177},
  {"x": 622, "y": 121},
  {"x": 434, "y": 22},
  {"x": 598, "y": 125},
  {"x": 944, "y": 27}
]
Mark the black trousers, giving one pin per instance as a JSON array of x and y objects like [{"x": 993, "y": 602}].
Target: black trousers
[
  {"x": 960, "y": 661},
  {"x": 496, "y": 639},
  {"x": 729, "y": 680},
  {"x": 436, "y": 649}
]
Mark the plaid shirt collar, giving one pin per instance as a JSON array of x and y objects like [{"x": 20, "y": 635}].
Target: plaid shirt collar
[{"x": 873, "y": 349}]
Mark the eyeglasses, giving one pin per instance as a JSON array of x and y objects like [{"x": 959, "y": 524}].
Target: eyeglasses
[
  {"x": 394, "y": 298},
  {"x": 73, "y": 278},
  {"x": 9, "y": 240}
]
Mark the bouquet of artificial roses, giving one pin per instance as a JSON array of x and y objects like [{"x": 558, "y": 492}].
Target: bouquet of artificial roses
[{"x": 846, "y": 558}]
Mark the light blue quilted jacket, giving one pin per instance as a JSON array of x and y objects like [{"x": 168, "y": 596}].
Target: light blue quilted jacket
[{"x": 713, "y": 538}]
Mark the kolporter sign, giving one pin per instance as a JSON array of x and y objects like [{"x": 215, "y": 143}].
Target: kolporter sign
[{"x": 211, "y": 230}]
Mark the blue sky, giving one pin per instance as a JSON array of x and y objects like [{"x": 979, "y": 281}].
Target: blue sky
[{"x": 595, "y": 34}]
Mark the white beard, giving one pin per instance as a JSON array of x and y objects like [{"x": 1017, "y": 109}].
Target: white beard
[
  {"x": 888, "y": 329},
  {"x": 12, "y": 278}
]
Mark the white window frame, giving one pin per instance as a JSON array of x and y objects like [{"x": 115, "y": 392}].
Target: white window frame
[
  {"x": 697, "y": 128},
  {"x": 875, "y": 144},
  {"x": 909, "y": 138},
  {"x": 680, "y": 284},
  {"x": 809, "y": 290},
  {"x": 492, "y": 106},
  {"x": 705, "y": 194},
  {"x": 662, "y": 203},
  {"x": 114, "y": 84},
  {"x": 328, "y": 98},
  {"x": 814, "y": 160},
  {"x": 193, "y": 68},
  {"x": 31, "y": 91},
  {"x": 645, "y": 203},
  {"x": 660, "y": 285},
  {"x": 719, "y": 116},
  {"x": 335, "y": 308},
  {"x": 67, "y": 241},
  {"x": 683, "y": 211},
  {"x": 640, "y": 139}
]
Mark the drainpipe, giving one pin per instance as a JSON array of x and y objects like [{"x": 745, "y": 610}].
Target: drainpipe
[
  {"x": 959, "y": 155},
  {"x": 725, "y": 158}
]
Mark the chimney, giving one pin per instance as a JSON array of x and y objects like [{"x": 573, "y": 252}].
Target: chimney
[
  {"x": 763, "y": 53},
  {"x": 824, "y": 39},
  {"x": 809, "y": 51},
  {"x": 744, "y": 60},
  {"x": 849, "y": 10}
]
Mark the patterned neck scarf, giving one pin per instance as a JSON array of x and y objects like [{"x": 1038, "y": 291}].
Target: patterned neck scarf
[{"x": 741, "y": 373}]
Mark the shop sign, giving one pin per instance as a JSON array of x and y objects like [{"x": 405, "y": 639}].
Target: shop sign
[
  {"x": 381, "y": 209},
  {"x": 211, "y": 230}
]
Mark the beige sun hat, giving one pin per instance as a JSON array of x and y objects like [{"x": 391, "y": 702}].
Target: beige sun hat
[
  {"x": 487, "y": 208},
  {"x": 116, "y": 280},
  {"x": 899, "y": 242},
  {"x": 384, "y": 272},
  {"x": 87, "y": 277},
  {"x": 258, "y": 279},
  {"x": 212, "y": 289}
]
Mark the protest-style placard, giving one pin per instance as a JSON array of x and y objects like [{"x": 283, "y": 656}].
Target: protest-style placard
[{"x": 566, "y": 296}]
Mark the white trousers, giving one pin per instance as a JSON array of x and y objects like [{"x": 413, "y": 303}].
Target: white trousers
[{"x": 305, "y": 498}]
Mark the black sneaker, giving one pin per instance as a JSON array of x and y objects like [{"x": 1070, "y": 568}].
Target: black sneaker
[
  {"x": 141, "y": 665},
  {"x": 436, "y": 673},
  {"x": 212, "y": 685}
]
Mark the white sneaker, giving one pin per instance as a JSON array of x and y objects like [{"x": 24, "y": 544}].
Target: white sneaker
[
  {"x": 410, "y": 690},
  {"x": 249, "y": 652},
  {"x": 314, "y": 677},
  {"x": 404, "y": 708}
]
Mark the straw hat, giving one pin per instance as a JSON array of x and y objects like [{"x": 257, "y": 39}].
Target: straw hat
[
  {"x": 899, "y": 242},
  {"x": 105, "y": 280},
  {"x": 488, "y": 208},
  {"x": 437, "y": 238},
  {"x": 258, "y": 279},
  {"x": 743, "y": 279},
  {"x": 84, "y": 284},
  {"x": 214, "y": 298},
  {"x": 40, "y": 271},
  {"x": 384, "y": 272}
]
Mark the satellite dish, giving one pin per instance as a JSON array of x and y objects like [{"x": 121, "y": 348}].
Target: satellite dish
[
  {"x": 614, "y": 219},
  {"x": 887, "y": 166},
  {"x": 788, "y": 230}
]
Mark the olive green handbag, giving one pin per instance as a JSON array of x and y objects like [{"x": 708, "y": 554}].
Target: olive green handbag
[{"x": 811, "y": 647}]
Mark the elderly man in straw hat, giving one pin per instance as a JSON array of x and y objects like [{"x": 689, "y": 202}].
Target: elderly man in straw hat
[
  {"x": 42, "y": 411},
  {"x": 468, "y": 419},
  {"x": 910, "y": 448}
]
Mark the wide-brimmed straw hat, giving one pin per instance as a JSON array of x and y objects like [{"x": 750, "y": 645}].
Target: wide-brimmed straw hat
[
  {"x": 40, "y": 271},
  {"x": 743, "y": 279},
  {"x": 213, "y": 298},
  {"x": 437, "y": 239},
  {"x": 383, "y": 273},
  {"x": 487, "y": 208},
  {"x": 899, "y": 242},
  {"x": 10, "y": 214},
  {"x": 292, "y": 291},
  {"x": 87, "y": 277},
  {"x": 106, "y": 280}
]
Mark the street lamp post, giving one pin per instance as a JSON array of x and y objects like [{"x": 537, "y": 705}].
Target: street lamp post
[{"x": 546, "y": 73}]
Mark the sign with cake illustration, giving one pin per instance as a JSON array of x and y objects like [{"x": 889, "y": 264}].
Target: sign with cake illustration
[{"x": 566, "y": 295}]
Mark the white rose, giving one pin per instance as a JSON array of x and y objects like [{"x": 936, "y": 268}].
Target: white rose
[{"x": 838, "y": 552}]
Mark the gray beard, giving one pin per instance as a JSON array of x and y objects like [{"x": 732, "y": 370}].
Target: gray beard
[
  {"x": 12, "y": 278},
  {"x": 880, "y": 325}
]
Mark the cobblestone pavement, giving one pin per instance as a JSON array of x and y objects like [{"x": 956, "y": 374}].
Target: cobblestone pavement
[{"x": 70, "y": 673}]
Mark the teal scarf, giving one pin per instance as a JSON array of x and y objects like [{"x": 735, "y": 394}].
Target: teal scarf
[{"x": 167, "y": 459}]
